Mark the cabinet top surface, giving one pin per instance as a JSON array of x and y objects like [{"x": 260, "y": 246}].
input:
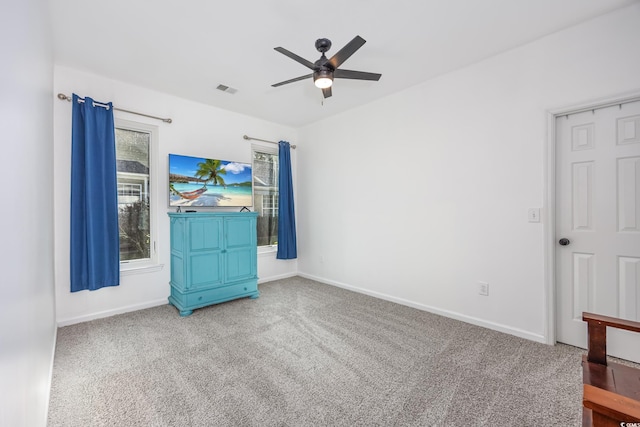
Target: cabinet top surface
[{"x": 200, "y": 214}]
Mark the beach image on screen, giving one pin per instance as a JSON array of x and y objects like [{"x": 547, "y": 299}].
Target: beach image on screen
[{"x": 202, "y": 182}]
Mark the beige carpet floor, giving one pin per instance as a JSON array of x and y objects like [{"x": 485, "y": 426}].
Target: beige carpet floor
[{"x": 307, "y": 354}]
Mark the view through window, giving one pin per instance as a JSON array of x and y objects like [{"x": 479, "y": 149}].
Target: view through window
[
  {"x": 134, "y": 212},
  {"x": 265, "y": 189}
]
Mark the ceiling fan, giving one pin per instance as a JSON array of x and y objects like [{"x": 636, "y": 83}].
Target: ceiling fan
[{"x": 325, "y": 70}]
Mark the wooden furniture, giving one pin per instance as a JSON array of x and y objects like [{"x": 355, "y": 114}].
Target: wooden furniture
[
  {"x": 611, "y": 393},
  {"x": 213, "y": 258}
]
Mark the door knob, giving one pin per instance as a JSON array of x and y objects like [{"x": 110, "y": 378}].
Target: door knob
[{"x": 564, "y": 241}]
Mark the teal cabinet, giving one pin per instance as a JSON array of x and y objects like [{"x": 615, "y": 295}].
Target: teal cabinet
[{"x": 213, "y": 258}]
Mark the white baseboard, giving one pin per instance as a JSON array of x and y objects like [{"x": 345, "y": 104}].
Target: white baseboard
[
  {"x": 113, "y": 312},
  {"x": 278, "y": 277},
  {"x": 107, "y": 313},
  {"x": 446, "y": 313},
  {"x": 50, "y": 380}
]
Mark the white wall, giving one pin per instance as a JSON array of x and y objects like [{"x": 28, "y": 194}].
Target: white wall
[
  {"x": 419, "y": 196},
  {"x": 197, "y": 130},
  {"x": 27, "y": 319}
]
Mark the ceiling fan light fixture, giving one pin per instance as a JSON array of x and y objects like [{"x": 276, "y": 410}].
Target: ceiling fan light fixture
[
  {"x": 324, "y": 70},
  {"x": 323, "y": 82},
  {"x": 323, "y": 79}
]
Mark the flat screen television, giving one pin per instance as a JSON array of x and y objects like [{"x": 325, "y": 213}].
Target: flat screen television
[{"x": 202, "y": 182}]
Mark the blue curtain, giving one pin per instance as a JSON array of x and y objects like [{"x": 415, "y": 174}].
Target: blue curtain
[
  {"x": 95, "y": 246},
  {"x": 287, "y": 247}
]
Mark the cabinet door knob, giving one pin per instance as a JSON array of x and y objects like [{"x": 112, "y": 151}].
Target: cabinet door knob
[{"x": 200, "y": 298}]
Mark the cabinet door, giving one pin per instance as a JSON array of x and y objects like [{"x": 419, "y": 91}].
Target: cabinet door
[
  {"x": 240, "y": 264},
  {"x": 240, "y": 232},
  {"x": 241, "y": 248},
  {"x": 205, "y": 234},
  {"x": 205, "y": 265}
]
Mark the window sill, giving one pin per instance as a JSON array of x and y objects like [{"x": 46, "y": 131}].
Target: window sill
[
  {"x": 267, "y": 249},
  {"x": 142, "y": 269}
]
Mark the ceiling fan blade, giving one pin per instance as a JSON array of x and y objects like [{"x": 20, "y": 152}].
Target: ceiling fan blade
[
  {"x": 295, "y": 57},
  {"x": 356, "y": 75},
  {"x": 348, "y": 50},
  {"x": 297, "y": 79},
  {"x": 326, "y": 92}
]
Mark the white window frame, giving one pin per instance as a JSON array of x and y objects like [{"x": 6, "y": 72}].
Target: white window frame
[
  {"x": 151, "y": 264},
  {"x": 273, "y": 202},
  {"x": 274, "y": 151}
]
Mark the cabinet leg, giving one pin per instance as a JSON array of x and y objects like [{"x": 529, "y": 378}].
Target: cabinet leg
[
  {"x": 254, "y": 296},
  {"x": 185, "y": 313}
]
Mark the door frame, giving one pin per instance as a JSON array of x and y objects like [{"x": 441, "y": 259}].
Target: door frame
[{"x": 549, "y": 214}]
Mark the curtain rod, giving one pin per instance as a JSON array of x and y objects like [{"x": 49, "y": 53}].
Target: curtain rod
[
  {"x": 63, "y": 97},
  {"x": 263, "y": 140}
]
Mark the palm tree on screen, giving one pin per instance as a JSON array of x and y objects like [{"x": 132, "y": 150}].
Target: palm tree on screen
[{"x": 211, "y": 170}]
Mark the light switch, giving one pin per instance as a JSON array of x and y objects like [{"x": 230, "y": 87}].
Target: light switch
[{"x": 534, "y": 214}]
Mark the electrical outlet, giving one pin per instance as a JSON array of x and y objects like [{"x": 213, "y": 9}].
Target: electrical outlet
[{"x": 483, "y": 289}]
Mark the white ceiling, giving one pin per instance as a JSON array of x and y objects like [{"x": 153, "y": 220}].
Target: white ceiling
[{"x": 186, "y": 48}]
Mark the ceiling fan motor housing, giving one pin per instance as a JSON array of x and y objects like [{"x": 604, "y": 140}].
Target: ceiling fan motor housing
[{"x": 323, "y": 64}]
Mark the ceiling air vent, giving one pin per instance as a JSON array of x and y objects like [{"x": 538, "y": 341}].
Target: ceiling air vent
[{"x": 227, "y": 89}]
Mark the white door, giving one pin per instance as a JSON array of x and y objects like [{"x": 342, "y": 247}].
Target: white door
[{"x": 598, "y": 212}]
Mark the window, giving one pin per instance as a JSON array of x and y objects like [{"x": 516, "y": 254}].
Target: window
[
  {"x": 135, "y": 216},
  {"x": 265, "y": 194},
  {"x": 130, "y": 193},
  {"x": 270, "y": 204}
]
